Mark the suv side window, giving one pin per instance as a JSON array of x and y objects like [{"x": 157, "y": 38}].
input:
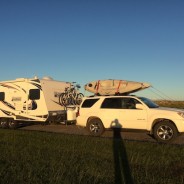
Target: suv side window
[
  {"x": 89, "y": 102},
  {"x": 111, "y": 103},
  {"x": 119, "y": 103},
  {"x": 129, "y": 103}
]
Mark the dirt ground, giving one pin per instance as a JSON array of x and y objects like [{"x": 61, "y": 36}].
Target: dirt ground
[{"x": 73, "y": 129}]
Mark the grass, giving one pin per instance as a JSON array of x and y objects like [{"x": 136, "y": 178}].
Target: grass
[
  {"x": 49, "y": 158},
  {"x": 172, "y": 104}
]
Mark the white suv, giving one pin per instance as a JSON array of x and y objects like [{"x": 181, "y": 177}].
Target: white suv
[{"x": 98, "y": 113}]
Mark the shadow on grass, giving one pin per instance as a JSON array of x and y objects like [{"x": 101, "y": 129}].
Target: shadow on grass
[{"x": 121, "y": 164}]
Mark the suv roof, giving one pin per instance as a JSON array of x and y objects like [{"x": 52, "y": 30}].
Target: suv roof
[
  {"x": 90, "y": 101},
  {"x": 107, "y": 96},
  {"x": 92, "y": 96}
]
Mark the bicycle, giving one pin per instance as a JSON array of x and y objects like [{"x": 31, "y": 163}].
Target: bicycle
[{"x": 71, "y": 96}]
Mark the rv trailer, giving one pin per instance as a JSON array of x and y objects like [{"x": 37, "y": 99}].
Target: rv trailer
[{"x": 23, "y": 100}]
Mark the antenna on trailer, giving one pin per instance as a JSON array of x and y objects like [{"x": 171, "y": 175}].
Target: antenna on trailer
[{"x": 48, "y": 78}]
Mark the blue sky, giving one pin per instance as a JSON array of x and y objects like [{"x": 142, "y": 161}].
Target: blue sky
[{"x": 86, "y": 40}]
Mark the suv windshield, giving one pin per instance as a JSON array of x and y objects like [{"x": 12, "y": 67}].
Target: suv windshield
[{"x": 148, "y": 102}]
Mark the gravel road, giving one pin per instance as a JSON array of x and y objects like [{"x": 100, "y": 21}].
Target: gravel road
[{"x": 73, "y": 129}]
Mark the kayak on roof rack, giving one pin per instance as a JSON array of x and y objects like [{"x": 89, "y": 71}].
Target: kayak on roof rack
[{"x": 115, "y": 87}]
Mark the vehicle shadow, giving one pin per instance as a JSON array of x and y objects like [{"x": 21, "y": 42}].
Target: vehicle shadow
[
  {"x": 28, "y": 124},
  {"x": 122, "y": 171}
]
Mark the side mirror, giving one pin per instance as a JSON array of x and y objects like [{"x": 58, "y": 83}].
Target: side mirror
[{"x": 140, "y": 106}]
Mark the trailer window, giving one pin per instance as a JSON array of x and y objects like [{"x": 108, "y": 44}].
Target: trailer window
[
  {"x": 34, "y": 94},
  {"x": 2, "y": 96}
]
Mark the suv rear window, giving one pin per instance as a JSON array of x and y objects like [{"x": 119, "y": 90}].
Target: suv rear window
[
  {"x": 112, "y": 103},
  {"x": 89, "y": 102}
]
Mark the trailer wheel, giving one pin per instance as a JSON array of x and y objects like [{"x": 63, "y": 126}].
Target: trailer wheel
[
  {"x": 4, "y": 123},
  {"x": 95, "y": 127},
  {"x": 12, "y": 124}
]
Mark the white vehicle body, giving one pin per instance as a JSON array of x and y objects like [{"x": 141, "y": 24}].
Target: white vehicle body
[
  {"x": 31, "y": 100},
  {"x": 143, "y": 116}
]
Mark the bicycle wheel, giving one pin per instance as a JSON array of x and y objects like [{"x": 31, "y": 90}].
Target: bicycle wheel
[
  {"x": 60, "y": 99},
  {"x": 79, "y": 98},
  {"x": 63, "y": 99},
  {"x": 71, "y": 100}
]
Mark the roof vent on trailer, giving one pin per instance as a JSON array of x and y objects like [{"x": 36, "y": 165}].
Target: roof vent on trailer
[{"x": 48, "y": 78}]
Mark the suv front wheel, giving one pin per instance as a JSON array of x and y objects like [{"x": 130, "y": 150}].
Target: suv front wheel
[
  {"x": 165, "y": 131},
  {"x": 95, "y": 127}
]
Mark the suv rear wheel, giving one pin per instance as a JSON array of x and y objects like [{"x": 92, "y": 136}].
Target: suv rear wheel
[
  {"x": 165, "y": 131},
  {"x": 95, "y": 127}
]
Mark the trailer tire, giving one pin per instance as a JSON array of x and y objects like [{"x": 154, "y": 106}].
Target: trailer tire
[
  {"x": 79, "y": 98},
  {"x": 4, "y": 123},
  {"x": 12, "y": 124}
]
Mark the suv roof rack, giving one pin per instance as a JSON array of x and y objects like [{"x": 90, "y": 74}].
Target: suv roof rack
[{"x": 118, "y": 94}]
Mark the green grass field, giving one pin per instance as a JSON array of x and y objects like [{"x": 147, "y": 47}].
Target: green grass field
[
  {"x": 28, "y": 157},
  {"x": 38, "y": 157}
]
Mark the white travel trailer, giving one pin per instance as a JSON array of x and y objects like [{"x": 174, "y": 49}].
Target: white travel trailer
[{"x": 31, "y": 100}]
